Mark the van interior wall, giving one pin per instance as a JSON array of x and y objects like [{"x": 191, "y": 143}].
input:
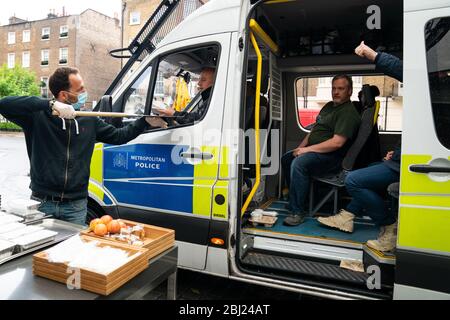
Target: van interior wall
[
  {"x": 314, "y": 27},
  {"x": 318, "y": 38}
]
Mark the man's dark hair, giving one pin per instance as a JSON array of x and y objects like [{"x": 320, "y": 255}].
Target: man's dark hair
[
  {"x": 346, "y": 77},
  {"x": 59, "y": 80}
]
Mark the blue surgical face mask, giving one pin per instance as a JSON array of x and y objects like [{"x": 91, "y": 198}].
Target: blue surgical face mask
[{"x": 82, "y": 99}]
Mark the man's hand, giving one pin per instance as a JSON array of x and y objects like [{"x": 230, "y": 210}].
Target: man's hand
[
  {"x": 156, "y": 122},
  {"x": 300, "y": 151},
  {"x": 65, "y": 111},
  {"x": 165, "y": 112},
  {"x": 389, "y": 156},
  {"x": 366, "y": 52}
]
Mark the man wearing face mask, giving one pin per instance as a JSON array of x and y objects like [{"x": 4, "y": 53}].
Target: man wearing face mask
[{"x": 60, "y": 147}]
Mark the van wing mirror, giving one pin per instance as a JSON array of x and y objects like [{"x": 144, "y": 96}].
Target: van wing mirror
[{"x": 105, "y": 104}]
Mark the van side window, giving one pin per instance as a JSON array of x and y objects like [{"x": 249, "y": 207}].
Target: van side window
[
  {"x": 437, "y": 35},
  {"x": 314, "y": 93},
  {"x": 136, "y": 96},
  {"x": 181, "y": 95}
]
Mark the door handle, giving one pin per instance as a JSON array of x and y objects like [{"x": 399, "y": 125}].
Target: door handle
[
  {"x": 425, "y": 168},
  {"x": 199, "y": 156}
]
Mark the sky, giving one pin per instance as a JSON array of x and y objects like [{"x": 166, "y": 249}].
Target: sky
[{"x": 37, "y": 10}]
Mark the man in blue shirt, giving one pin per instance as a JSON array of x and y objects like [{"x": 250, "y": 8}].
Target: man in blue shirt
[{"x": 366, "y": 185}]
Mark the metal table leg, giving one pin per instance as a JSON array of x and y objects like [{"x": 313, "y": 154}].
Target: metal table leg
[{"x": 172, "y": 286}]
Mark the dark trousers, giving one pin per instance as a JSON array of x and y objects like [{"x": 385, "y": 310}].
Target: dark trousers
[
  {"x": 299, "y": 170},
  {"x": 366, "y": 186}
]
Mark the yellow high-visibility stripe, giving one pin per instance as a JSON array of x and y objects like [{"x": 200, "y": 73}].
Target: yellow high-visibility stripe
[
  {"x": 220, "y": 211},
  {"x": 205, "y": 174},
  {"x": 425, "y": 200},
  {"x": 424, "y": 228},
  {"x": 412, "y": 182},
  {"x": 97, "y": 172}
]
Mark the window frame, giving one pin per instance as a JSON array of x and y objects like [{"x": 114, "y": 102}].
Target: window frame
[
  {"x": 43, "y": 34},
  {"x": 131, "y": 22},
  {"x": 61, "y": 60},
  {"x": 23, "y": 59},
  {"x": 26, "y": 39},
  {"x": 318, "y": 76},
  {"x": 63, "y": 35},
  {"x": 46, "y": 86},
  {"x": 48, "y": 57},
  {"x": 178, "y": 50},
  {"x": 438, "y": 134},
  {"x": 155, "y": 63},
  {"x": 11, "y": 40},
  {"x": 125, "y": 95},
  {"x": 11, "y": 54}
]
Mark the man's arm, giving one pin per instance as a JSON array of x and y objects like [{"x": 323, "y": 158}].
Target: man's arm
[
  {"x": 185, "y": 118},
  {"x": 20, "y": 109},
  {"x": 22, "y": 106},
  {"x": 389, "y": 65},
  {"x": 330, "y": 145},
  {"x": 305, "y": 141},
  {"x": 109, "y": 134},
  {"x": 385, "y": 63}
]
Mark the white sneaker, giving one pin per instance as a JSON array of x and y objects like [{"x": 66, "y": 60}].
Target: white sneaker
[
  {"x": 342, "y": 221},
  {"x": 387, "y": 239}
]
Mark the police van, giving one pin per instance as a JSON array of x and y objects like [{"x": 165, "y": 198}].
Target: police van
[{"x": 273, "y": 59}]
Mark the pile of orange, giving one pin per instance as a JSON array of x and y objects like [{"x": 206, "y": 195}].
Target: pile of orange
[{"x": 106, "y": 224}]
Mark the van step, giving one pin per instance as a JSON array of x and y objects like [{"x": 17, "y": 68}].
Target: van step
[{"x": 309, "y": 268}]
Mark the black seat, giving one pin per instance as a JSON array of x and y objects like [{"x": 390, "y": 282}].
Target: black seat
[{"x": 369, "y": 117}]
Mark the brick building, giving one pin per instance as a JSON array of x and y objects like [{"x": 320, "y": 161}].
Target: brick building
[
  {"x": 137, "y": 12},
  {"x": 82, "y": 41}
]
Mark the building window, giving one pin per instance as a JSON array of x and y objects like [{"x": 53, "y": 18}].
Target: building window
[
  {"x": 63, "y": 31},
  {"x": 11, "y": 60},
  {"x": 45, "y": 56},
  {"x": 26, "y": 59},
  {"x": 63, "y": 55},
  {"x": 26, "y": 36},
  {"x": 45, "y": 33},
  {"x": 44, "y": 87},
  {"x": 11, "y": 37},
  {"x": 135, "y": 18}
]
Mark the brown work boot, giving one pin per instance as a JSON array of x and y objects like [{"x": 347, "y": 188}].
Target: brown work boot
[
  {"x": 342, "y": 221},
  {"x": 387, "y": 239}
]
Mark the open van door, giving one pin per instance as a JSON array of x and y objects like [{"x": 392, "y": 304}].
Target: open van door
[
  {"x": 423, "y": 255},
  {"x": 166, "y": 177}
]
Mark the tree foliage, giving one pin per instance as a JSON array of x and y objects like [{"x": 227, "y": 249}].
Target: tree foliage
[{"x": 18, "y": 82}]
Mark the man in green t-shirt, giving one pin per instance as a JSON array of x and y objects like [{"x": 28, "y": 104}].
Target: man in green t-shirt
[{"x": 323, "y": 149}]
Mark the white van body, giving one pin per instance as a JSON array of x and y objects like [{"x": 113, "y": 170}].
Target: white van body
[{"x": 224, "y": 24}]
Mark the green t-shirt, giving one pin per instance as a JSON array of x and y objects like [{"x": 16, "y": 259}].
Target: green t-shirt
[{"x": 342, "y": 120}]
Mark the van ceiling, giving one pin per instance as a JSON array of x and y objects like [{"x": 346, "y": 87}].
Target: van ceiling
[{"x": 344, "y": 22}]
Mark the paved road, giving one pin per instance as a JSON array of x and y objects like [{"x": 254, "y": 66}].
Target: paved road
[{"x": 14, "y": 182}]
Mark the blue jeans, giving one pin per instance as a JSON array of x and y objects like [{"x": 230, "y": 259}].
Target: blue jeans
[
  {"x": 299, "y": 170},
  {"x": 71, "y": 211},
  {"x": 366, "y": 186}
]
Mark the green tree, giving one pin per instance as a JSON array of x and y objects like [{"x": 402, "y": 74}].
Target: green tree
[{"x": 18, "y": 82}]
